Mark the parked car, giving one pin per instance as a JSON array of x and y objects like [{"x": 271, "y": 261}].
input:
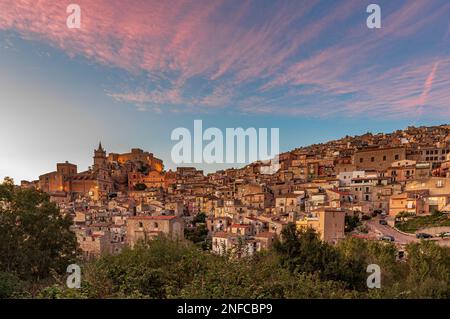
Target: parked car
[
  {"x": 423, "y": 235},
  {"x": 388, "y": 238},
  {"x": 444, "y": 234},
  {"x": 383, "y": 222}
]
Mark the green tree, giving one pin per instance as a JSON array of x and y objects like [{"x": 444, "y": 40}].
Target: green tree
[
  {"x": 197, "y": 234},
  {"x": 140, "y": 187},
  {"x": 34, "y": 237},
  {"x": 428, "y": 270},
  {"x": 351, "y": 222},
  {"x": 304, "y": 252},
  {"x": 199, "y": 218}
]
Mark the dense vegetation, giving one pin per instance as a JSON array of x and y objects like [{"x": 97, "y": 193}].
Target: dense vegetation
[
  {"x": 35, "y": 239},
  {"x": 301, "y": 266}
]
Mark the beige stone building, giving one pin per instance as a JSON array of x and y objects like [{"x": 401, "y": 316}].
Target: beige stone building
[
  {"x": 135, "y": 155},
  {"x": 148, "y": 227},
  {"x": 435, "y": 191},
  {"x": 328, "y": 223},
  {"x": 95, "y": 182},
  {"x": 94, "y": 244},
  {"x": 406, "y": 202},
  {"x": 378, "y": 159}
]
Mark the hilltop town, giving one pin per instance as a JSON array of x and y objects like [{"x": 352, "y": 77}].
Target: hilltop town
[{"x": 363, "y": 186}]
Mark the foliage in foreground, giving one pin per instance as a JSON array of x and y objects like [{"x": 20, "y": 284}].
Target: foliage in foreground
[
  {"x": 35, "y": 239},
  {"x": 166, "y": 269}
]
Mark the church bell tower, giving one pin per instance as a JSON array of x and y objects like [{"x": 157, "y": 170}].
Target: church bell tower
[{"x": 99, "y": 157}]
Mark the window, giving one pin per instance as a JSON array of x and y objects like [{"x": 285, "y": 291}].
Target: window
[
  {"x": 361, "y": 160},
  {"x": 372, "y": 159},
  {"x": 384, "y": 158},
  {"x": 141, "y": 225},
  {"x": 396, "y": 157},
  {"x": 440, "y": 183},
  {"x": 155, "y": 225}
]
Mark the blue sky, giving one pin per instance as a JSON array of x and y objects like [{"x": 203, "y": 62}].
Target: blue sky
[{"x": 136, "y": 70}]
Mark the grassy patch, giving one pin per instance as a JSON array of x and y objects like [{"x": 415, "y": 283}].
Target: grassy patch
[{"x": 419, "y": 222}]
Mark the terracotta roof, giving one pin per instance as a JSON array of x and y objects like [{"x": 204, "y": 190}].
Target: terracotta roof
[
  {"x": 265, "y": 235},
  {"x": 340, "y": 192},
  {"x": 161, "y": 217},
  {"x": 222, "y": 234}
]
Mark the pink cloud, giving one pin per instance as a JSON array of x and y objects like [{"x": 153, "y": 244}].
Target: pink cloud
[{"x": 178, "y": 41}]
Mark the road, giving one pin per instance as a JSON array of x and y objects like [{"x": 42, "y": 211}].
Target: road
[{"x": 400, "y": 238}]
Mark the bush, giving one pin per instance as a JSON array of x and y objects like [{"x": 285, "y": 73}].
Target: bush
[{"x": 10, "y": 286}]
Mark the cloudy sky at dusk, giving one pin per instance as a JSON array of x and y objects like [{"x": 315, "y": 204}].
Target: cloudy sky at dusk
[{"x": 136, "y": 70}]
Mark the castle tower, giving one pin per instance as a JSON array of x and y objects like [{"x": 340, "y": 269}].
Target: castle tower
[{"x": 99, "y": 157}]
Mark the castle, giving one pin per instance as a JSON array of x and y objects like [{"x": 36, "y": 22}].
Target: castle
[{"x": 108, "y": 174}]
